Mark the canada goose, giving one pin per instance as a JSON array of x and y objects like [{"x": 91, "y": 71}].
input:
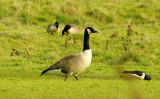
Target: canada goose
[
  {"x": 70, "y": 29},
  {"x": 138, "y": 74},
  {"x": 75, "y": 63},
  {"x": 53, "y": 27}
]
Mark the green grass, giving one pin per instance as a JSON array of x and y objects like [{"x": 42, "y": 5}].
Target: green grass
[{"x": 23, "y": 27}]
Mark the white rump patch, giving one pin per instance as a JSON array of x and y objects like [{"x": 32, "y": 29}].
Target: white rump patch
[
  {"x": 56, "y": 72},
  {"x": 141, "y": 77}
]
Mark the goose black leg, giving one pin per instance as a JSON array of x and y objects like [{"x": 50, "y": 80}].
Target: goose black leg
[
  {"x": 66, "y": 77},
  {"x": 76, "y": 77}
]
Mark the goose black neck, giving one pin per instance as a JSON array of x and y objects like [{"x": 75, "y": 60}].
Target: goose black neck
[
  {"x": 57, "y": 26},
  {"x": 86, "y": 41}
]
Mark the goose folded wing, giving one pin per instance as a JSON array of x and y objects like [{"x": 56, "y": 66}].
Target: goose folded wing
[{"x": 65, "y": 61}]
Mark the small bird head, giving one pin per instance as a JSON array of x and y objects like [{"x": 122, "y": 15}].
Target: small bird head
[
  {"x": 90, "y": 30},
  {"x": 65, "y": 30},
  {"x": 147, "y": 77}
]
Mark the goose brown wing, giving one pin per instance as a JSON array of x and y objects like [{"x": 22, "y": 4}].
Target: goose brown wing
[
  {"x": 49, "y": 26},
  {"x": 74, "y": 26},
  {"x": 64, "y": 61}
]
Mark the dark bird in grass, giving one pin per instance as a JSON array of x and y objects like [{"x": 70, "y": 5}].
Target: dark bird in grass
[
  {"x": 138, "y": 74},
  {"x": 75, "y": 63},
  {"x": 53, "y": 28}
]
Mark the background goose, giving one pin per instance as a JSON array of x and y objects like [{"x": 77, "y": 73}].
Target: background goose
[
  {"x": 70, "y": 29},
  {"x": 53, "y": 27},
  {"x": 75, "y": 63},
  {"x": 138, "y": 74}
]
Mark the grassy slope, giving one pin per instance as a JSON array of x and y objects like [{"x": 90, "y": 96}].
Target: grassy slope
[{"x": 23, "y": 26}]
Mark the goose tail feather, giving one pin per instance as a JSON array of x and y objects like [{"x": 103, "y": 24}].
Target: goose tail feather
[{"x": 44, "y": 72}]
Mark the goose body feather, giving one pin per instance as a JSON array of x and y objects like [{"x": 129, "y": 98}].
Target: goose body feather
[{"x": 74, "y": 63}]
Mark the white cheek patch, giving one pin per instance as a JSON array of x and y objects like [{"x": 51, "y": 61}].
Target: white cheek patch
[
  {"x": 89, "y": 32},
  {"x": 141, "y": 77}
]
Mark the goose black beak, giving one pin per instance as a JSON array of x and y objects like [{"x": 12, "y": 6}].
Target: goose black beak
[{"x": 95, "y": 32}]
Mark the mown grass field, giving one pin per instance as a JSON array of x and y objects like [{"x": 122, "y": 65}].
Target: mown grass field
[{"x": 23, "y": 28}]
